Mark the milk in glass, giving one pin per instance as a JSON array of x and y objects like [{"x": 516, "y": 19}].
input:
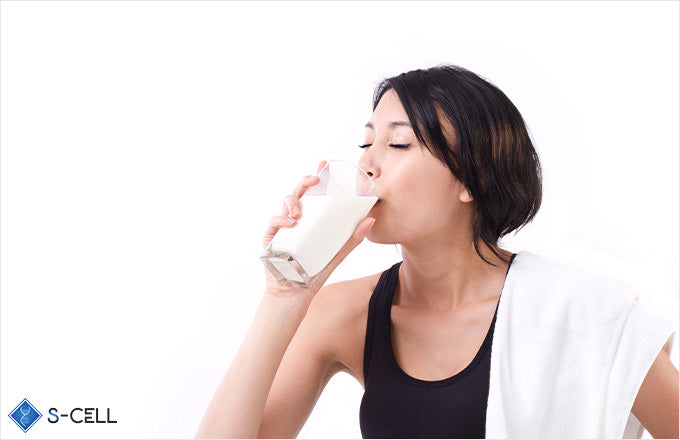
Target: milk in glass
[{"x": 325, "y": 225}]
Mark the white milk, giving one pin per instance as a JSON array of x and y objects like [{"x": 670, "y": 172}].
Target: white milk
[{"x": 324, "y": 226}]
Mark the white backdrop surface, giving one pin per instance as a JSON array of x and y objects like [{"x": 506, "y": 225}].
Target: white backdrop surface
[{"x": 146, "y": 145}]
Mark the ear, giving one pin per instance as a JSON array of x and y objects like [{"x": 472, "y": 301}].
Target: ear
[{"x": 464, "y": 195}]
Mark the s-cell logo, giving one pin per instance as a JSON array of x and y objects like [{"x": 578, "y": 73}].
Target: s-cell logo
[{"x": 25, "y": 415}]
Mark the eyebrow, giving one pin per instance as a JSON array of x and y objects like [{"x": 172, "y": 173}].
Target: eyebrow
[{"x": 392, "y": 124}]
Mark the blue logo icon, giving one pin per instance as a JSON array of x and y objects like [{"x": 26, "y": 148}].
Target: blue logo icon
[{"x": 25, "y": 415}]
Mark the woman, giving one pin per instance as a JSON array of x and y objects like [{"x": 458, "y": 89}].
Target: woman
[{"x": 457, "y": 171}]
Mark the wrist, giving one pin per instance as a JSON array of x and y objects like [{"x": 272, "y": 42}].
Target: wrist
[{"x": 295, "y": 303}]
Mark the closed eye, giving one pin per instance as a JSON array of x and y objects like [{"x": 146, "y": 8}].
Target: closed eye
[{"x": 391, "y": 145}]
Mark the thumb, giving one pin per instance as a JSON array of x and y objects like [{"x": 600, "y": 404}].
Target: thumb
[
  {"x": 363, "y": 228},
  {"x": 356, "y": 238}
]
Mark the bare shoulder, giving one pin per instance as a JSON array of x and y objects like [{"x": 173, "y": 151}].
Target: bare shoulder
[{"x": 343, "y": 308}]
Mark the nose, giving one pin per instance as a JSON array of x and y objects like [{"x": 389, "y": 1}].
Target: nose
[
  {"x": 368, "y": 168},
  {"x": 369, "y": 164}
]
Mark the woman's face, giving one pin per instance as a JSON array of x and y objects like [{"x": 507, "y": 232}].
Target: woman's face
[{"x": 421, "y": 200}]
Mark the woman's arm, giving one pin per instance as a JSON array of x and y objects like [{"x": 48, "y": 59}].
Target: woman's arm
[
  {"x": 235, "y": 410},
  {"x": 656, "y": 404},
  {"x": 309, "y": 363}
]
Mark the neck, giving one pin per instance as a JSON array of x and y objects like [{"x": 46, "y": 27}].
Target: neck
[{"x": 444, "y": 276}]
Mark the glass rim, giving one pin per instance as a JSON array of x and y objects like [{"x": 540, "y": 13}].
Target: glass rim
[{"x": 373, "y": 190}]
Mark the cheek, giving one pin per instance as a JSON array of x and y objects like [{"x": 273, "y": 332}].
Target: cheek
[
  {"x": 426, "y": 210},
  {"x": 408, "y": 182},
  {"x": 412, "y": 208},
  {"x": 410, "y": 217},
  {"x": 426, "y": 191},
  {"x": 402, "y": 221},
  {"x": 421, "y": 197},
  {"x": 424, "y": 207}
]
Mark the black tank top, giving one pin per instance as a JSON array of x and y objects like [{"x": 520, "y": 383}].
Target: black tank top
[{"x": 396, "y": 405}]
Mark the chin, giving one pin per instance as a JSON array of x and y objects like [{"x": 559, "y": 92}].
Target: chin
[{"x": 377, "y": 238}]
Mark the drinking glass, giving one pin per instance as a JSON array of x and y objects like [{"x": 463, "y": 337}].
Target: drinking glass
[{"x": 329, "y": 213}]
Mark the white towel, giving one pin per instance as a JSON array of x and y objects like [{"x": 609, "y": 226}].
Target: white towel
[{"x": 570, "y": 350}]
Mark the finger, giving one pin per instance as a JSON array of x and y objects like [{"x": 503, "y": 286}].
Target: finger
[
  {"x": 363, "y": 227},
  {"x": 291, "y": 207},
  {"x": 305, "y": 183},
  {"x": 280, "y": 221},
  {"x": 276, "y": 223}
]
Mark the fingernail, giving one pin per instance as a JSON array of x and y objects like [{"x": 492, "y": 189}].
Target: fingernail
[
  {"x": 291, "y": 220},
  {"x": 370, "y": 225},
  {"x": 296, "y": 211}
]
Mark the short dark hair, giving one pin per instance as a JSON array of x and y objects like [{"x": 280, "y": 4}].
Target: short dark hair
[{"x": 492, "y": 153}]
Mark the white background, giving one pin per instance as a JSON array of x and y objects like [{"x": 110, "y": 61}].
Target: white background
[{"x": 146, "y": 145}]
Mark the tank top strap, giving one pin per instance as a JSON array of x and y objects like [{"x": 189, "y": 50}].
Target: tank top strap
[{"x": 376, "y": 324}]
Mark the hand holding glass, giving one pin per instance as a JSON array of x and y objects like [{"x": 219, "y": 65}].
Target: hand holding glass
[{"x": 330, "y": 212}]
